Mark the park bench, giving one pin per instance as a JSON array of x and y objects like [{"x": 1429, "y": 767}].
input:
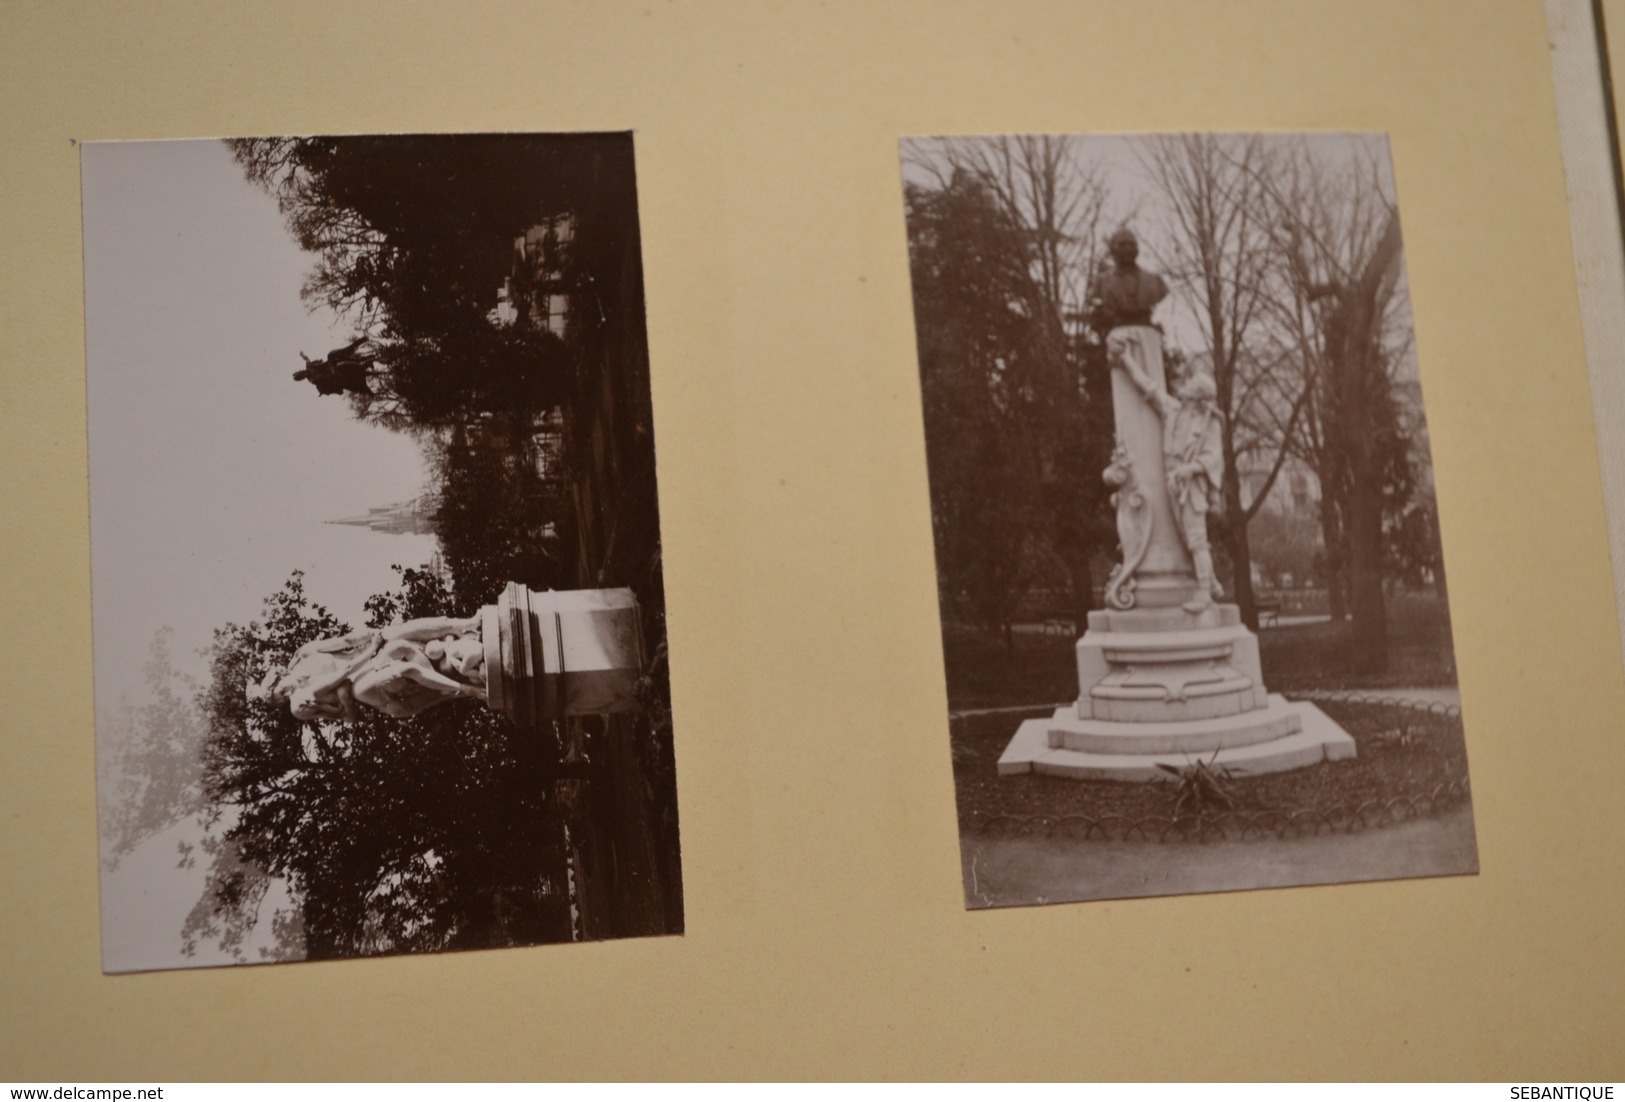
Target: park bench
[
  {"x": 1060, "y": 623},
  {"x": 1269, "y": 610}
]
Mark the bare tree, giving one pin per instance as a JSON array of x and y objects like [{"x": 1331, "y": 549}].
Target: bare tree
[
  {"x": 1337, "y": 231},
  {"x": 1219, "y": 257},
  {"x": 1058, "y": 202},
  {"x": 348, "y": 247}
]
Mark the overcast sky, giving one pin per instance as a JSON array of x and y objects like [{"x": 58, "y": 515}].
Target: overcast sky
[
  {"x": 1133, "y": 198},
  {"x": 211, "y": 469}
]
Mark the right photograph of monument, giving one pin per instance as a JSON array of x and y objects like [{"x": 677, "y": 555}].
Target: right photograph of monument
[{"x": 1195, "y": 619}]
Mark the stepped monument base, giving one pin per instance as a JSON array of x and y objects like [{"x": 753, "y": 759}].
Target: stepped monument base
[{"x": 1165, "y": 686}]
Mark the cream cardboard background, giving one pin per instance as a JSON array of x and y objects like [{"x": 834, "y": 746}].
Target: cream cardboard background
[{"x": 826, "y": 935}]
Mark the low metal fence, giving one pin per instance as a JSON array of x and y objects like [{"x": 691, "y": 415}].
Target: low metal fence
[
  {"x": 1227, "y": 825},
  {"x": 1410, "y": 717}
]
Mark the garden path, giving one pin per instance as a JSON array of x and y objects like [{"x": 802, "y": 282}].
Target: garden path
[{"x": 1002, "y": 871}]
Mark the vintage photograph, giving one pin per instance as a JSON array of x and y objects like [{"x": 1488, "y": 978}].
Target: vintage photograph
[
  {"x": 1194, "y": 613},
  {"x": 379, "y": 620}
]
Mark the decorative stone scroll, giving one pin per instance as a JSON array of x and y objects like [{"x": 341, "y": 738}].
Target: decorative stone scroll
[{"x": 1133, "y": 527}]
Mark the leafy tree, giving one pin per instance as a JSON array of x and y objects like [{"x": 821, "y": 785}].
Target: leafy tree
[
  {"x": 393, "y": 835},
  {"x": 1283, "y": 543},
  {"x": 1017, "y": 400},
  {"x": 499, "y": 518},
  {"x": 379, "y": 212},
  {"x": 150, "y": 777},
  {"x": 968, "y": 265},
  {"x": 413, "y": 236},
  {"x": 543, "y": 449},
  {"x": 1414, "y": 553}
]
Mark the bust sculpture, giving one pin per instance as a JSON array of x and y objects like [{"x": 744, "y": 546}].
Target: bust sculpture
[{"x": 1125, "y": 293}]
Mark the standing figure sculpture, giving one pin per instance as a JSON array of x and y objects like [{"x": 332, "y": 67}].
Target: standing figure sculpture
[
  {"x": 1193, "y": 462},
  {"x": 343, "y": 369},
  {"x": 399, "y": 670}
]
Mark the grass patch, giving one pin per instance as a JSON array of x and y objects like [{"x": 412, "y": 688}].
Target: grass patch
[
  {"x": 984, "y": 672},
  {"x": 1317, "y": 656}
]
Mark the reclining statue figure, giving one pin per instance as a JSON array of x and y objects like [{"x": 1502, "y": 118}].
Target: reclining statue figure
[{"x": 399, "y": 670}]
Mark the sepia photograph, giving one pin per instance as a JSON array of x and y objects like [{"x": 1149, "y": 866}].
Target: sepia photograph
[
  {"x": 1194, "y": 613},
  {"x": 378, "y": 610}
]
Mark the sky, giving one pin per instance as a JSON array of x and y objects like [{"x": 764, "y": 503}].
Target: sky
[
  {"x": 1133, "y": 198},
  {"x": 212, "y": 471}
]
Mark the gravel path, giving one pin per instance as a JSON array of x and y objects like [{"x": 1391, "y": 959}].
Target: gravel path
[{"x": 1001, "y": 872}]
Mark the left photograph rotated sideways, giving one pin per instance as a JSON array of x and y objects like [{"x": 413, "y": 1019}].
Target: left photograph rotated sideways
[{"x": 379, "y": 619}]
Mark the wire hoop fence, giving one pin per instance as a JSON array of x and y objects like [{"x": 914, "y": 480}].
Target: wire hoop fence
[{"x": 1409, "y": 719}]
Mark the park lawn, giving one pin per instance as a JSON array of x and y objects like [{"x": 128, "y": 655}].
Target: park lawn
[{"x": 1316, "y": 656}]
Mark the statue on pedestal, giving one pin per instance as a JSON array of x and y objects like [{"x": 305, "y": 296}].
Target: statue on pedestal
[
  {"x": 1166, "y": 675},
  {"x": 399, "y": 670},
  {"x": 341, "y": 370},
  {"x": 1156, "y": 568},
  {"x": 533, "y": 656}
]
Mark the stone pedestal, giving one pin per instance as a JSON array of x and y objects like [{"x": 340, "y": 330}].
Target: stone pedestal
[
  {"x": 1167, "y": 686},
  {"x": 553, "y": 653}
]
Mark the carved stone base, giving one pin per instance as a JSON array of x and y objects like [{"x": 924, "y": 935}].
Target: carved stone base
[
  {"x": 561, "y": 652},
  {"x": 1151, "y": 665},
  {"x": 1165, "y": 686},
  {"x": 1254, "y": 748}
]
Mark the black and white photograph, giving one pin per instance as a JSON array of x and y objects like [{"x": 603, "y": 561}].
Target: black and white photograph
[
  {"x": 1195, "y": 621},
  {"x": 378, "y": 610}
]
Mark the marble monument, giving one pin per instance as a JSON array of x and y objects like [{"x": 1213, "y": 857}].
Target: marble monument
[
  {"x": 1166, "y": 675},
  {"x": 533, "y": 656}
]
